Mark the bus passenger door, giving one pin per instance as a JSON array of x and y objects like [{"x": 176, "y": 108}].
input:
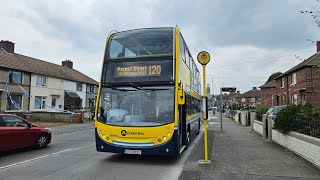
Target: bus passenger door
[{"x": 182, "y": 125}]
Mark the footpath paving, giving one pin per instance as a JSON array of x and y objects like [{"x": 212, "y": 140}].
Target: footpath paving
[
  {"x": 238, "y": 153},
  {"x": 72, "y": 128}
]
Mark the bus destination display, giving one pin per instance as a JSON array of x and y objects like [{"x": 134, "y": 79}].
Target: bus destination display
[{"x": 137, "y": 71}]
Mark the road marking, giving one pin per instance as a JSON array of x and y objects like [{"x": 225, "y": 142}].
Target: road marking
[
  {"x": 41, "y": 157},
  {"x": 214, "y": 117}
]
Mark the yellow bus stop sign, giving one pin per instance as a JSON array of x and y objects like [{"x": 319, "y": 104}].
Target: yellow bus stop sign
[{"x": 203, "y": 57}]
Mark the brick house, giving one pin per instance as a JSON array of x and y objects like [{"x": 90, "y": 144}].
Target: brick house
[
  {"x": 234, "y": 98},
  {"x": 301, "y": 83},
  {"x": 268, "y": 93},
  {"x": 51, "y": 87},
  {"x": 250, "y": 98}
]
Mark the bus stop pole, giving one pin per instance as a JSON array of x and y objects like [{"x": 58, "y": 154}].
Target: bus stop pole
[
  {"x": 204, "y": 117},
  {"x": 204, "y": 58}
]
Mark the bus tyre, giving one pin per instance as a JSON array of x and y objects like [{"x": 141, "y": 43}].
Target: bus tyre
[{"x": 42, "y": 141}]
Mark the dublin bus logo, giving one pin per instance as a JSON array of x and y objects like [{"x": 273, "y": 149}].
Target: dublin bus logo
[{"x": 123, "y": 133}]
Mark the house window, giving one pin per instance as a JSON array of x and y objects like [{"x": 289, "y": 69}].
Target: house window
[
  {"x": 15, "y": 77},
  {"x": 54, "y": 101},
  {"x": 91, "y": 103},
  {"x": 294, "y": 98},
  {"x": 303, "y": 97},
  {"x": 91, "y": 88},
  {"x": 41, "y": 80},
  {"x": 243, "y": 99},
  {"x": 15, "y": 103},
  {"x": 40, "y": 102},
  {"x": 282, "y": 82},
  {"x": 253, "y": 99},
  {"x": 95, "y": 89},
  {"x": 79, "y": 86},
  {"x": 293, "y": 78}
]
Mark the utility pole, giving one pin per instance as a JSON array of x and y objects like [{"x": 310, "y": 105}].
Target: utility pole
[{"x": 221, "y": 107}]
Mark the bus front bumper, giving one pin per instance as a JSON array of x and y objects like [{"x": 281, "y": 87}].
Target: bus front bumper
[{"x": 170, "y": 148}]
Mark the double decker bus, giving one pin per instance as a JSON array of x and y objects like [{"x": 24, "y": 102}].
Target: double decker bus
[{"x": 148, "y": 100}]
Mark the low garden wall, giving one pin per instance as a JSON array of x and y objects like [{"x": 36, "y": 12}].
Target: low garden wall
[
  {"x": 306, "y": 146},
  {"x": 51, "y": 116},
  {"x": 257, "y": 127}
]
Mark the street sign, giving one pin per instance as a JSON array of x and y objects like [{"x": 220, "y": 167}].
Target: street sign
[
  {"x": 203, "y": 57},
  {"x": 228, "y": 89}
]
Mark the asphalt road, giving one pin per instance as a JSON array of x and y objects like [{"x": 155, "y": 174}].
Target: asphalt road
[{"x": 73, "y": 156}]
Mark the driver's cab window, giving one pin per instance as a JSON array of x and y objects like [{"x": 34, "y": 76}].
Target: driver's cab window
[{"x": 10, "y": 121}]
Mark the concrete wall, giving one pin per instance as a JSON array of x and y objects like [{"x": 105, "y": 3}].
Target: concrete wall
[
  {"x": 244, "y": 116},
  {"x": 54, "y": 87},
  {"x": 48, "y": 116},
  {"x": 257, "y": 127},
  {"x": 237, "y": 116},
  {"x": 306, "y": 146}
]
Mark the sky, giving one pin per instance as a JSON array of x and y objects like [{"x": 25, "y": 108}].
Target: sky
[{"x": 248, "y": 40}]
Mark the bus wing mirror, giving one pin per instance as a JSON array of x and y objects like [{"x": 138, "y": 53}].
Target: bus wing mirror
[
  {"x": 181, "y": 97},
  {"x": 205, "y": 107}
]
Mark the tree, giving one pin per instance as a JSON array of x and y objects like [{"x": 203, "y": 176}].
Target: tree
[{"x": 274, "y": 75}]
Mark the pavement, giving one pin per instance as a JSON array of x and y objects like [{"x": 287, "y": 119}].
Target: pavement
[{"x": 238, "y": 153}]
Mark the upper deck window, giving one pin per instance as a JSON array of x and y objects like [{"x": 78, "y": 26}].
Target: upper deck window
[{"x": 141, "y": 43}]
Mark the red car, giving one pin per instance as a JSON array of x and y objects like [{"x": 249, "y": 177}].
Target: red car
[{"x": 16, "y": 132}]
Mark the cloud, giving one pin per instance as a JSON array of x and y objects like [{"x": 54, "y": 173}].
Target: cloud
[{"x": 234, "y": 32}]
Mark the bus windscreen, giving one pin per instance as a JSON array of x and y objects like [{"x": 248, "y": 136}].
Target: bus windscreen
[{"x": 141, "y": 43}]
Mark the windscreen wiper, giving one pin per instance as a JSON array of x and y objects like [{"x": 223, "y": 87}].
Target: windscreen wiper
[
  {"x": 145, "y": 89},
  {"x": 115, "y": 88}
]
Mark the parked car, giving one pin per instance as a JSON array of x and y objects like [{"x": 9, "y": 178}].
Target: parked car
[
  {"x": 274, "y": 110},
  {"x": 16, "y": 132}
]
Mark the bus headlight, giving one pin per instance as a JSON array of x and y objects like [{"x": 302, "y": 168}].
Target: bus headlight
[
  {"x": 164, "y": 138},
  {"x": 168, "y": 134},
  {"x": 104, "y": 136}
]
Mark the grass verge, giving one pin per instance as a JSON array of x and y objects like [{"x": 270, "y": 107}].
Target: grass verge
[{"x": 50, "y": 124}]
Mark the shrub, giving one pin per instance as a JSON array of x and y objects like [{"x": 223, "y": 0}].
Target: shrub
[
  {"x": 286, "y": 117},
  {"x": 262, "y": 109},
  {"x": 300, "y": 118}
]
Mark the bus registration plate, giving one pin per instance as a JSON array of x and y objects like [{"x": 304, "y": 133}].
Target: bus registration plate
[{"x": 129, "y": 151}]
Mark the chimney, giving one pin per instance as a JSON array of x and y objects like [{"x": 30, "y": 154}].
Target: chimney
[
  {"x": 318, "y": 46},
  {"x": 238, "y": 92},
  {"x": 254, "y": 88},
  {"x": 67, "y": 63},
  {"x": 7, "y": 46}
]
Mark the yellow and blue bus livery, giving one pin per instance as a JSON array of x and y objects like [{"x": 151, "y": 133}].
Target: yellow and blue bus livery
[{"x": 137, "y": 110}]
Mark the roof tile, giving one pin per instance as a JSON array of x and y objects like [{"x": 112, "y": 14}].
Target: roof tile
[{"x": 28, "y": 64}]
